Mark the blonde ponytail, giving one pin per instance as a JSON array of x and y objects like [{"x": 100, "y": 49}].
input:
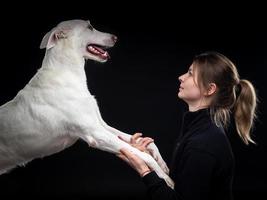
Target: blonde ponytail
[{"x": 245, "y": 110}]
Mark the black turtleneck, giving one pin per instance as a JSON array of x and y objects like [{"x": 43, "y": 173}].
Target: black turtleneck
[{"x": 202, "y": 164}]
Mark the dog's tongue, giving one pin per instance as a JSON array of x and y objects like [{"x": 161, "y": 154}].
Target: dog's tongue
[{"x": 98, "y": 51}]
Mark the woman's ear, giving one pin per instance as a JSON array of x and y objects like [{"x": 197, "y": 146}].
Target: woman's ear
[{"x": 211, "y": 89}]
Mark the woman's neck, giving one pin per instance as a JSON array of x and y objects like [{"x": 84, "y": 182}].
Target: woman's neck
[
  {"x": 196, "y": 108},
  {"x": 200, "y": 104}
]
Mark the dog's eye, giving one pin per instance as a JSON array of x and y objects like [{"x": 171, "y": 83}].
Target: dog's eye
[{"x": 90, "y": 27}]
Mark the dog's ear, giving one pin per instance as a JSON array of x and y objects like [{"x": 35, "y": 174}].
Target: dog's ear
[{"x": 50, "y": 39}]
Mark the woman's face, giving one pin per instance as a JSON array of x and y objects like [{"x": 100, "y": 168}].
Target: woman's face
[{"x": 189, "y": 91}]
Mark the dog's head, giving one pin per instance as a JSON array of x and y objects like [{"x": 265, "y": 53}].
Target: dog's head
[{"x": 82, "y": 37}]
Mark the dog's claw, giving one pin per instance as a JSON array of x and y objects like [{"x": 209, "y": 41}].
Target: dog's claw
[{"x": 169, "y": 182}]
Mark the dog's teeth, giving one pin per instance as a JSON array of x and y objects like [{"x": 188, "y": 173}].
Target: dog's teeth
[{"x": 98, "y": 51}]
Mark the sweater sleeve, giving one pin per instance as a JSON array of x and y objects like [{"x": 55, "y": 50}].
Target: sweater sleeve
[
  {"x": 157, "y": 188},
  {"x": 193, "y": 180}
]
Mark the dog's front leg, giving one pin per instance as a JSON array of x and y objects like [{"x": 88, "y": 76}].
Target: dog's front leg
[
  {"x": 104, "y": 140},
  {"x": 151, "y": 147}
]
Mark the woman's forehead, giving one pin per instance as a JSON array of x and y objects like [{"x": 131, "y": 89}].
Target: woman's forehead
[{"x": 191, "y": 66}]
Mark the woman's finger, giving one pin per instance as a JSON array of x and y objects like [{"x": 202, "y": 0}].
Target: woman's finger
[
  {"x": 143, "y": 140},
  {"x": 125, "y": 152},
  {"x": 146, "y": 142},
  {"x": 123, "y": 157},
  {"x": 135, "y": 137}
]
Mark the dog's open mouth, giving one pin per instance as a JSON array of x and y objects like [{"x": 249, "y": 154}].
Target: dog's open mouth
[{"x": 98, "y": 51}]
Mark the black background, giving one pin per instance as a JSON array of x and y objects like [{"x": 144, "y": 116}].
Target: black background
[{"x": 136, "y": 89}]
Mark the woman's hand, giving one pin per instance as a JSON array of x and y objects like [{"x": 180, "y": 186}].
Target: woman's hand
[
  {"x": 134, "y": 161},
  {"x": 138, "y": 142}
]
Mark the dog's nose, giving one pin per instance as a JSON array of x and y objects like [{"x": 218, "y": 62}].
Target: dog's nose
[{"x": 114, "y": 38}]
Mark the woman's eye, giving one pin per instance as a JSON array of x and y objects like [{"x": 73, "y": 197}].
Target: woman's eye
[{"x": 90, "y": 27}]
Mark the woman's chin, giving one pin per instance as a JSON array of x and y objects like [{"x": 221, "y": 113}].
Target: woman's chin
[{"x": 180, "y": 95}]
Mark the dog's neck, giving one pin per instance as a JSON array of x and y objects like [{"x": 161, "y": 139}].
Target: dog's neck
[
  {"x": 61, "y": 68},
  {"x": 65, "y": 60}
]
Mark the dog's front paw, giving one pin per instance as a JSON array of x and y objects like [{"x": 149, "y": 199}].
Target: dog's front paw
[
  {"x": 153, "y": 150},
  {"x": 169, "y": 182},
  {"x": 163, "y": 165}
]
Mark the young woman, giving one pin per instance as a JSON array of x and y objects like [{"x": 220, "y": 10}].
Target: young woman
[{"x": 203, "y": 162}]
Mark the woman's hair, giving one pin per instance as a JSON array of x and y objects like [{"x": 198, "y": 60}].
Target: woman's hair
[{"x": 232, "y": 94}]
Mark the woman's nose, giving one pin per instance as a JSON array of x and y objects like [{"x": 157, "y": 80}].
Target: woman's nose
[{"x": 180, "y": 78}]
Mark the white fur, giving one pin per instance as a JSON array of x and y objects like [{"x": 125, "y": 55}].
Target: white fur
[{"x": 55, "y": 108}]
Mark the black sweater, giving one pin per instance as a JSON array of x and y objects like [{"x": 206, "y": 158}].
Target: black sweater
[{"x": 202, "y": 166}]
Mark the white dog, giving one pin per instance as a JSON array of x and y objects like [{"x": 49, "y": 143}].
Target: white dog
[{"x": 55, "y": 108}]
